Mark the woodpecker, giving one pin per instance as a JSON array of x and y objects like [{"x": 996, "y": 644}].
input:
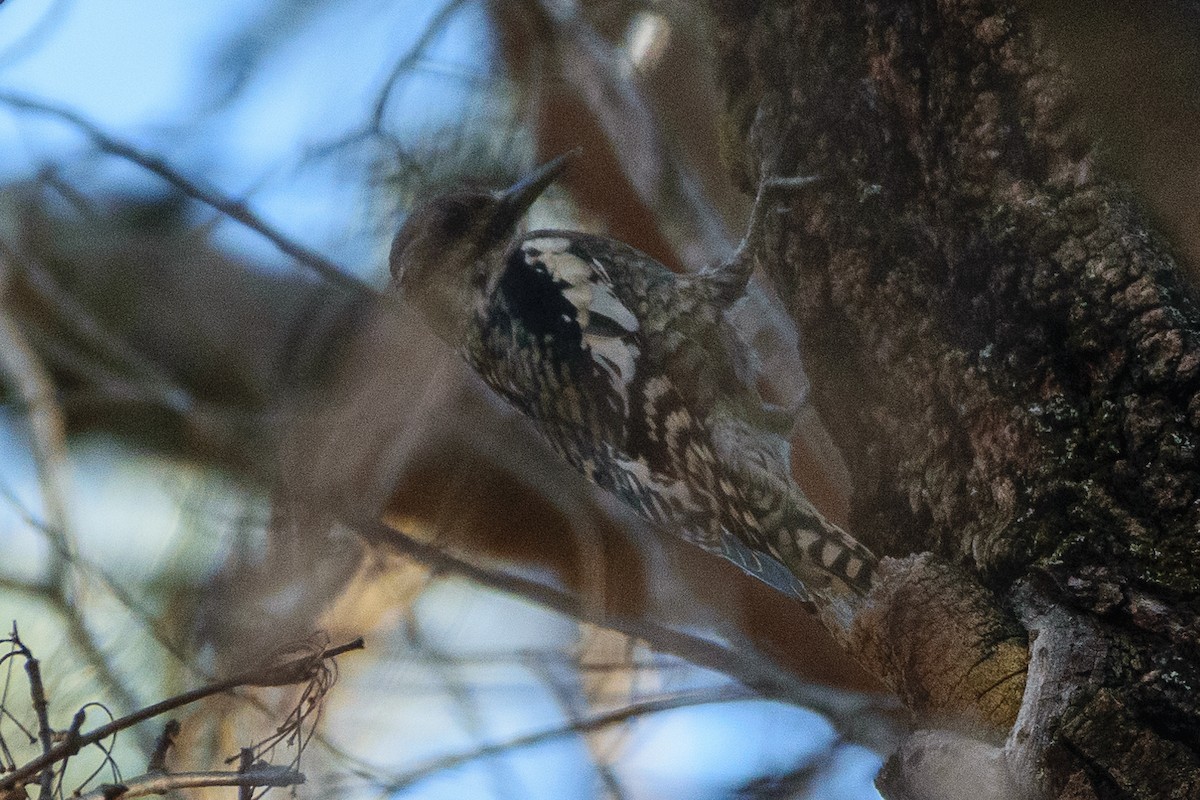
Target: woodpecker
[{"x": 631, "y": 372}]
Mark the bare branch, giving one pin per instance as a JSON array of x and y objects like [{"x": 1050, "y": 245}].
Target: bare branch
[
  {"x": 856, "y": 716},
  {"x": 123, "y": 596},
  {"x": 272, "y": 675},
  {"x": 158, "y": 783},
  {"x": 631, "y": 711},
  {"x": 31, "y": 382},
  {"x": 245, "y": 764},
  {"x": 594, "y": 68},
  {"x": 37, "y": 35},
  {"x": 41, "y": 707},
  {"x": 566, "y": 701},
  {"x": 501, "y": 777},
  {"x": 166, "y": 740},
  {"x": 79, "y": 321},
  {"x": 233, "y": 209},
  {"x": 412, "y": 58}
]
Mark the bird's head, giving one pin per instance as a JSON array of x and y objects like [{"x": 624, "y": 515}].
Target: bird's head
[{"x": 450, "y": 249}]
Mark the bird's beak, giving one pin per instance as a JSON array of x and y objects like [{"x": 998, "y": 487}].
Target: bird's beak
[{"x": 516, "y": 199}]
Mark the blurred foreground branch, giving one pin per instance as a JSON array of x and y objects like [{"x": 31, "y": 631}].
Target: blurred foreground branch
[
  {"x": 28, "y": 379},
  {"x": 231, "y": 208},
  {"x": 854, "y": 715},
  {"x": 245, "y": 363}
]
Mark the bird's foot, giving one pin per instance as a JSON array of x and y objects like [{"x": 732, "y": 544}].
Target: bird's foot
[
  {"x": 733, "y": 276},
  {"x": 771, "y": 191}
]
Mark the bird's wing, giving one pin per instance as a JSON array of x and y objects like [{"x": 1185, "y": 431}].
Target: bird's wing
[
  {"x": 620, "y": 380},
  {"x": 560, "y": 337},
  {"x": 585, "y": 306}
]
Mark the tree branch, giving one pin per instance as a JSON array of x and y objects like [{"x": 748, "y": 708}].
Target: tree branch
[
  {"x": 31, "y": 382},
  {"x": 231, "y": 208},
  {"x": 431, "y": 31},
  {"x": 153, "y": 783},
  {"x": 845, "y": 709},
  {"x": 631, "y": 711},
  {"x": 292, "y": 671}
]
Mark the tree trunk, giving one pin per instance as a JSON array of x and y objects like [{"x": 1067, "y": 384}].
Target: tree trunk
[{"x": 1008, "y": 359}]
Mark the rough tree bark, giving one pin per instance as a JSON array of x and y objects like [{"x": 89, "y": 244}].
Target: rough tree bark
[{"x": 1009, "y": 359}]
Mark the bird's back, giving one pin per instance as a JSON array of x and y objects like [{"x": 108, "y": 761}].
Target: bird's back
[{"x": 625, "y": 367}]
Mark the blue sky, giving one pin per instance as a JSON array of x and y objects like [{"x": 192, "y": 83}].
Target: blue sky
[{"x": 140, "y": 68}]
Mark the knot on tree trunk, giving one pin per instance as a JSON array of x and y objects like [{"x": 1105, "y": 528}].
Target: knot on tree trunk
[{"x": 936, "y": 637}]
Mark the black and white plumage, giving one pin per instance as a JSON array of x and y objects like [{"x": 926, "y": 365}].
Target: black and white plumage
[{"x": 632, "y": 373}]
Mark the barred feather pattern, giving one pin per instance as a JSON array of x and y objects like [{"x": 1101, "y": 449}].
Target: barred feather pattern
[{"x": 624, "y": 367}]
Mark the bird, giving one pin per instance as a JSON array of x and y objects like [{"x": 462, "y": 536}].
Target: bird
[{"x": 631, "y": 372}]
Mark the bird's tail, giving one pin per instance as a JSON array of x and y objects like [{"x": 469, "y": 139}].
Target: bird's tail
[{"x": 830, "y": 563}]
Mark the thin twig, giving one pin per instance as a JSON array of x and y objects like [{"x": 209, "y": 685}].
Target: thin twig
[
  {"x": 267, "y": 676},
  {"x": 166, "y": 740},
  {"x": 631, "y": 711},
  {"x": 85, "y": 645},
  {"x": 593, "y": 68},
  {"x": 69, "y": 737},
  {"x": 153, "y": 783},
  {"x": 500, "y": 774},
  {"x": 37, "y": 34},
  {"x": 245, "y": 764},
  {"x": 31, "y": 382},
  {"x": 410, "y": 59},
  {"x": 567, "y": 702},
  {"x": 80, "y": 322},
  {"x": 798, "y": 782},
  {"x": 126, "y": 598},
  {"x": 234, "y": 210},
  {"x": 87, "y": 568},
  {"x": 41, "y": 707},
  {"x": 107, "y": 750},
  {"x": 856, "y": 715}
]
